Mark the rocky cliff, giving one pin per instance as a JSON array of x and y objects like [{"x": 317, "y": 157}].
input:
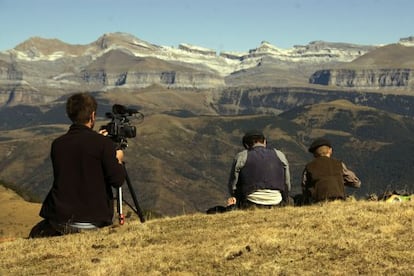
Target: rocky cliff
[
  {"x": 387, "y": 67},
  {"x": 134, "y": 79},
  {"x": 365, "y": 78},
  {"x": 243, "y": 101}
]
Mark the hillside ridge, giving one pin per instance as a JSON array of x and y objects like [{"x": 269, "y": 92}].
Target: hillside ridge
[{"x": 336, "y": 238}]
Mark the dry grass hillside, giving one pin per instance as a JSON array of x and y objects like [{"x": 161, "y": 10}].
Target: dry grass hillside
[
  {"x": 336, "y": 238},
  {"x": 17, "y": 216},
  {"x": 180, "y": 164}
]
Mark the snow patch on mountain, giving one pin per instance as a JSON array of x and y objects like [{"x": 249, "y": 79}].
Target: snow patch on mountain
[
  {"x": 407, "y": 41},
  {"x": 31, "y": 56}
]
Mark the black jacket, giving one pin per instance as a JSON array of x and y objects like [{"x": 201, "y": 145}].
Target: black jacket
[{"x": 84, "y": 169}]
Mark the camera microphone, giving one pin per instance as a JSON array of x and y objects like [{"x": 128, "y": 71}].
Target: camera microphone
[{"x": 120, "y": 109}]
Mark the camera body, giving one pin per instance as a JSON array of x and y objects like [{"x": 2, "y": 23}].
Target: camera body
[{"x": 120, "y": 128}]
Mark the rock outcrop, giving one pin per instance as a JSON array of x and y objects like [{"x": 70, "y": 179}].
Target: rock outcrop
[
  {"x": 9, "y": 72},
  {"x": 247, "y": 101},
  {"x": 134, "y": 79},
  {"x": 364, "y": 78}
]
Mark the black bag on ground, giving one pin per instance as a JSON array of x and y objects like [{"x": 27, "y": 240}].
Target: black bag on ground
[{"x": 220, "y": 209}]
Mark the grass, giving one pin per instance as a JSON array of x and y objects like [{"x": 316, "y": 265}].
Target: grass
[
  {"x": 336, "y": 238},
  {"x": 17, "y": 216}
]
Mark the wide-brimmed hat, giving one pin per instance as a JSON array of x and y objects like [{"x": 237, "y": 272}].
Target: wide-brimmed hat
[{"x": 319, "y": 143}]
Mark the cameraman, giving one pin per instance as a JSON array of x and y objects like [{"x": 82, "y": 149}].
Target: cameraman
[{"x": 86, "y": 166}]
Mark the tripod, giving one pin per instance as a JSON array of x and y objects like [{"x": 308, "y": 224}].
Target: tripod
[{"x": 120, "y": 199}]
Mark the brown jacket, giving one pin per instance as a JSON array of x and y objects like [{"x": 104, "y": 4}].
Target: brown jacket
[{"x": 324, "y": 178}]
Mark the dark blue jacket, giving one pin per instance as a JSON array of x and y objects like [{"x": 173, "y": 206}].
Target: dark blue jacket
[{"x": 258, "y": 168}]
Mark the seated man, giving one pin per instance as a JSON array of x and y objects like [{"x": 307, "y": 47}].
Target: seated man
[
  {"x": 259, "y": 176},
  {"x": 86, "y": 166},
  {"x": 325, "y": 178}
]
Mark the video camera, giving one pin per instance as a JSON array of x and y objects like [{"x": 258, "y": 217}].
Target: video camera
[{"x": 120, "y": 128}]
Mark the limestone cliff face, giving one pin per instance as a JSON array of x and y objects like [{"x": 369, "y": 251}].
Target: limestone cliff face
[
  {"x": 9, "y": 72},
  {"x": 365, "y": 78},
  {"x": 237, "y": 101},
  {"x": 144, "y": 79}
]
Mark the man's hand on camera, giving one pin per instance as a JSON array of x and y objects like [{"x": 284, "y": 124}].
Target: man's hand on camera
[
  {"x": 119, "y": 156},
  {"x": 104, "y": 132}
]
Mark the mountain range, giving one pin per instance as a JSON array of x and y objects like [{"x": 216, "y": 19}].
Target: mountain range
[{"x": 198, "y": 103}]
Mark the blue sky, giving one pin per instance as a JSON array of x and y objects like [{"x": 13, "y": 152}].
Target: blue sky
[{"x": 223, "y": 25}]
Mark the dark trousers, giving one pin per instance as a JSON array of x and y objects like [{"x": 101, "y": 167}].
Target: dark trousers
[{"x": 44, "y": 229}]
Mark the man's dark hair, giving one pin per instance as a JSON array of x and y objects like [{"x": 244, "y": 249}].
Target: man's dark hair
[
  {"x": 252, "y": 137},
  {"x": 80, "y": 106}
]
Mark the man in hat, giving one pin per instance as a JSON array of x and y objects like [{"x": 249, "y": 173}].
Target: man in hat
[
  {"x": 259, "y": 175},
  {"x": 325, "y": 178}
]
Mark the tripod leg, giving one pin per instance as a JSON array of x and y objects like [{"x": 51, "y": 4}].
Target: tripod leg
[
  {"x": 121, "y": 216},
  {"x": 137, "y": 210}
]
